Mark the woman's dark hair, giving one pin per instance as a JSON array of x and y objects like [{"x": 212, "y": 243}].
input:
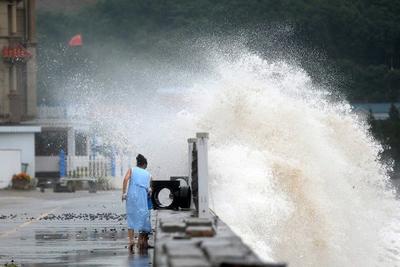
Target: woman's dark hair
[{"x": 141, "y": 160}]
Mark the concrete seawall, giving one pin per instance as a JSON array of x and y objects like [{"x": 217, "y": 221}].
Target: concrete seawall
[
  {"x": 188, "y": 234},
  {"x": 183, "y": 240}
]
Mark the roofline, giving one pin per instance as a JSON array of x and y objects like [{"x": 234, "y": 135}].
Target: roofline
[{"x": 20, "y": 129}]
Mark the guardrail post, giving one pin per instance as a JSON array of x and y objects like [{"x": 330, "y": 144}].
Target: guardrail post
[
  {"x": 202, "y": 165},
  {"x": 191, "y": 142}
]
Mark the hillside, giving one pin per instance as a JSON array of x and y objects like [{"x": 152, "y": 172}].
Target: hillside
[
  {"x": 63, "y": 6},
  {"x": 359, "y": 39}
]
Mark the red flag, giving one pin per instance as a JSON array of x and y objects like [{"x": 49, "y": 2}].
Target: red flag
[{"x": 76, "y": 40}]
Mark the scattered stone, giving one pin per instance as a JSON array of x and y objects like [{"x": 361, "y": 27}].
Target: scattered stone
[
  {"x": 186, "y": 251},
  {"x": 171, "y": 227},
  {"x": 86, "y": 217},
  {"x": 180, "y": 236},
  {"x": 200, "y": 231},
  {"x": 174, "y": 245},
  {"x": 224, "y": 253},
  {"x": 198, "y": 222},
  {"x": 188, "y": 262},
  {"x": 249, "y": 263}
]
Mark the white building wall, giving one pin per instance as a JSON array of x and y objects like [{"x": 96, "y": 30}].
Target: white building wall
[
  {"x": 25, "y": 142},
  {"x": 10, "y": 164}
]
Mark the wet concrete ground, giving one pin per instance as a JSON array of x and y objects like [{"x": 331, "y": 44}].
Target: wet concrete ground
[{"x": 65, "y": 229}]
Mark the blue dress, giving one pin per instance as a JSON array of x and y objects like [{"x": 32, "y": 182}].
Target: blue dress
[{"x": 137, "y": 210}]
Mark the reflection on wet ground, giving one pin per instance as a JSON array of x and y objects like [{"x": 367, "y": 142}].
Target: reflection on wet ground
[
  {"x": 78, "y": 229},
  {"x": 80, "y": 235},
  {"x": 81, "y": 259},
  {"x": 138, "y": 260},
  {"x": 131, "y": 260}
]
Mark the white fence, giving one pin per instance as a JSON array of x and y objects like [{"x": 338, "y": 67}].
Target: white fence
[
  {"x": 98, "y": 167},
  {"x": 83, "y": 166}
]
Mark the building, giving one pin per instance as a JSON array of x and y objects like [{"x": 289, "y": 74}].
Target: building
[
  {"x": 85, "y": 155},
  {"x": 18, "y": 64},
  {"x": 62, "y": 129},
  {"x": 380, "y": 111},
  {"x": 17, "y": 146},
  {"x": 17, "y": 88}
]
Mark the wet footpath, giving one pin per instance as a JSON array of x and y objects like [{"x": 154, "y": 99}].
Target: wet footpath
[{"x": 65, "y": 229}]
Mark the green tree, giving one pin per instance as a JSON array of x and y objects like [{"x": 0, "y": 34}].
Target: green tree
[{"x": 394, "y": 114}]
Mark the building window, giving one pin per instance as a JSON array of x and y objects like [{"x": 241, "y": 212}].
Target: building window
[
  {"x": 50, "y": 143},
  {"x": 80, "y": 144}
]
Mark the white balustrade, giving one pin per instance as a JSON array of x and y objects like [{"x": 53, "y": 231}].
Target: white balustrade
[{"x": 86, "y": 167}]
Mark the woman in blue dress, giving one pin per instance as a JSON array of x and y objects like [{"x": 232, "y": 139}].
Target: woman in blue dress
[{"x": 137, "y": 209}]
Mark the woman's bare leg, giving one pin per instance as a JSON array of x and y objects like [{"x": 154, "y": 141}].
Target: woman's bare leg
[
  {"x": 139, "y": 243},
  {"x": 142, "y": 242},
  {"x": 131, "y": 234}
]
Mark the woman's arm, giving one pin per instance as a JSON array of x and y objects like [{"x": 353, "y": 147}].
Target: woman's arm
[
  {"x": 125, "y": 183},
  {"x": 150, "y": 190}
]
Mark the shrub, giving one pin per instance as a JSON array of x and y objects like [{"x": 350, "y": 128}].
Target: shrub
[{"x": 21, "y": 181}]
